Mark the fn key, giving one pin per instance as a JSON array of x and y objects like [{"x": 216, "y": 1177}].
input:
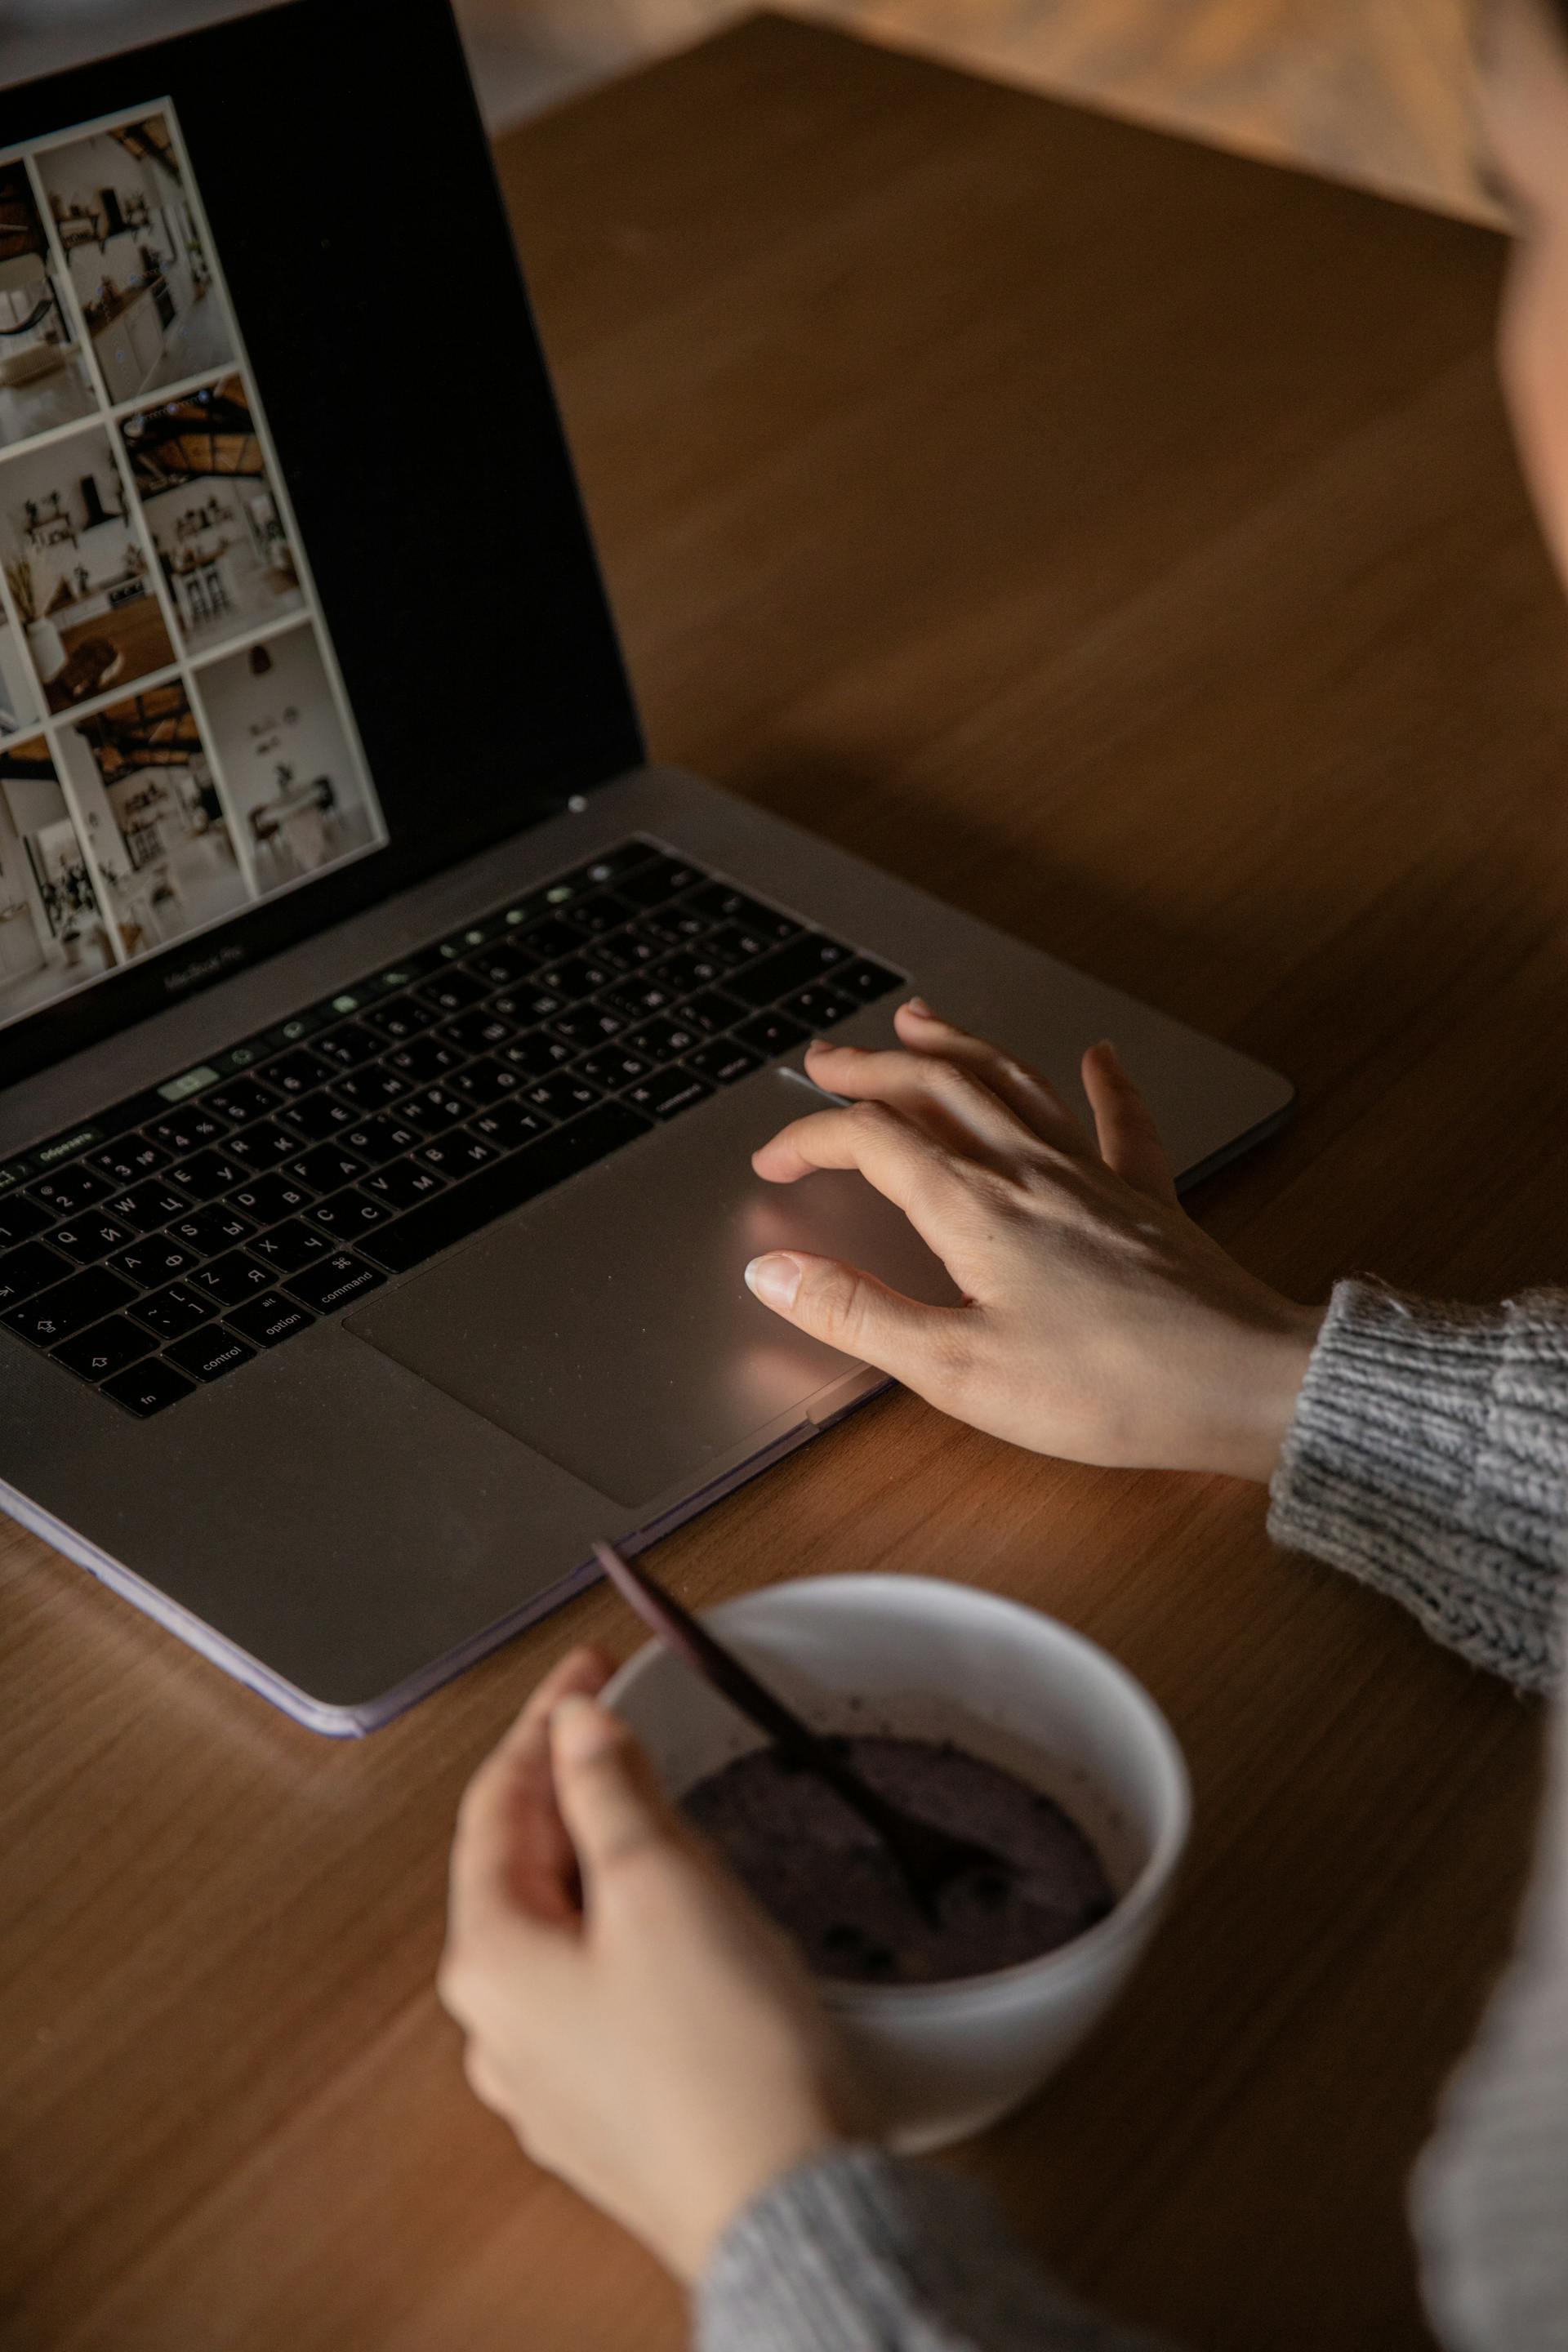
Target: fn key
[{"x": 148, "y": 1389}]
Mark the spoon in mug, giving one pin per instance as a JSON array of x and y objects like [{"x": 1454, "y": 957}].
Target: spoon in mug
[{"x": 929, "y": 1860}]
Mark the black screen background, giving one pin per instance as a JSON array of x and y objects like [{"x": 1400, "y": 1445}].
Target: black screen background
[{"x": 340, "y": 156}]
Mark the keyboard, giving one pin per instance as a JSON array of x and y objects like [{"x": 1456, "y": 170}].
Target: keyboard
[{"x": 170, "y": 1240}]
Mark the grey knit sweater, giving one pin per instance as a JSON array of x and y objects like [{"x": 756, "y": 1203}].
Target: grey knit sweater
[{"x": 1430, "y": 1457}]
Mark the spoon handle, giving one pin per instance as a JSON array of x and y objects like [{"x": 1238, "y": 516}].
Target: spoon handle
[{"x": 664, "y": 1615}]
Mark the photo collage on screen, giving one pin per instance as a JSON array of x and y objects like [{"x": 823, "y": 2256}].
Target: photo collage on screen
[{"x": 175, "y": 743}]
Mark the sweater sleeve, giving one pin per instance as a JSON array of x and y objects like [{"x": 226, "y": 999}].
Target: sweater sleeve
[
  {"x": 1430, "y": 1457},
  {"x": 860, "y": 2251}
]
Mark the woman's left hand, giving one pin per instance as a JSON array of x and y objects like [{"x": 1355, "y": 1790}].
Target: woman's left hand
[{"x": 645, "y": 2030}]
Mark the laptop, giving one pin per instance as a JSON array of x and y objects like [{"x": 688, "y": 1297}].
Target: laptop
[{"x": 383, "y": 1037}]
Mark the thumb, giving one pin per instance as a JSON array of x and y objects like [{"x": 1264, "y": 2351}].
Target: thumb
[
  {"x": 604, "y": 1785},
  {"x": 853, "y": 1312}
]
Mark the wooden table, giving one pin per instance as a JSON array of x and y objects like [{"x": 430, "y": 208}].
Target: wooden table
[{"x": 1124, "y": 540}]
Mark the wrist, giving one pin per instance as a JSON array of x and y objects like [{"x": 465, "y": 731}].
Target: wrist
[
  {"x": 1265, "y": 1388},
  {"x": 743, "y": 2173}
]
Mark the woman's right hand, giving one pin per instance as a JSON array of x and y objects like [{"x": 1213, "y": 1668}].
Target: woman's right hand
[{"x": 1098, "y": 1323}]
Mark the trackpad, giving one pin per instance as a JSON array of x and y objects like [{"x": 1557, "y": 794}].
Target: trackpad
[{"x": 609, "y": 1327}]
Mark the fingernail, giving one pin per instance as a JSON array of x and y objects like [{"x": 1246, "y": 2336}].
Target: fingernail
[
  {"x": 918, "y": 1004},
  {"x": 774, "y": 1279},
  {"x": 579, "y": 1729},
  {"x": 1108, "y": 1045}
]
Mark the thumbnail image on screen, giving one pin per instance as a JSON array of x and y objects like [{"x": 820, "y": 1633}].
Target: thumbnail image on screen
[{"x": 175, "y": 742}]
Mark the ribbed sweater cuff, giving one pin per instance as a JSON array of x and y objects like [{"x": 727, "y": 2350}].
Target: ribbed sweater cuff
[
  {"x": 1430, "y": 1457},
  {"x": 862, "y": 2251}
]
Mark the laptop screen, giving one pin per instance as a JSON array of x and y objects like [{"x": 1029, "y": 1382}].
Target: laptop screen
[{"x": 264, "y": 608}]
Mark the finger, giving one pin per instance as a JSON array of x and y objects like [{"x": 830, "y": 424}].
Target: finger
[
  {"x": 610, "y": 1799},
  {"x": 1129, "y": 1139},
  {"x": 1021, "y": 1087},
  {"x": 855, "y": 1312},
  {"x": 512, "y": 1852},
  {"x": 949, "y": 1101},
  {"x": 905, "y": 1163}
]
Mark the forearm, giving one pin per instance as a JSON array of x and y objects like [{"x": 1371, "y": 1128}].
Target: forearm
[
  {"x": 862, "y": 2251},
  {"x": 1428, "y": 1456}
]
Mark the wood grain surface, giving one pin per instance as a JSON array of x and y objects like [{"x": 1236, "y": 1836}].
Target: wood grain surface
[{"x": 1123, "y": 540}]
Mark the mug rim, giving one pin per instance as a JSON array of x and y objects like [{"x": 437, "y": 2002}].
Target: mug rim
[{"x": 1132, "y": 1910}]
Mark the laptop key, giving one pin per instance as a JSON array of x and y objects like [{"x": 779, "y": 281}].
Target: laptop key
[
  {"x": 207, "y": 1174},
  {"x": 241, "y": 1100},
  {"x": 664, "y": 1041},
  {"x": 689, "y": 970},
  {"x": 298, "y": 1072},
  {"x": 187, "y": 1131},
  {"x": 172, "y": 1311},
  {"x": 319, "y": 1117},
  {"x": 88, "y": 1238},
  {"x": 463, "y": 1208},
  {"x": 147, "y": 1206},
  {"x": 289, "y": 1246},
  {"x": 771, "y": 1034},
  {"x": 488, "y": 1081},
  {"x": 210, "y": 1232},
  {"x": 402, "y": 1018},
  {"x": 660, "y": 878},
  {"x": 637, "y": 945},
  {"x": 270, "y": 1199},
  {"x": 454, "y": 991},
  {"x": 349, "y": 1214},
  {"x": 479, "y": 1030},
  {"x": 588, "y": 1025},
  {"x": 819, "y": 1006},
  {"x": 423, "y": 1061},
  {"x": 263, "y": 1145},
  {"x": 338, "y": 1280},
  {"x": 156, "y": 1260},
  {"x": 578, "y": 976},
  {"x": 107, "y": 1348},
  {"x": 208, "y": 1354},
  {"x": 70, "y": 1305},
  {"x": 327, "y": 1169},
  {"x": 562, "y": 1095},
  {"x": 149, "y": 1389},
  {"x": 606, "y": 911},
  {"x": 667, "y": 1092},
  {"x": 29, "y": 1269},
  {"x": 71, "y": 1190},
  {"x": 374, "y": 1089},
  {"x": 350, "y": 1044},
  {"x": 129, "y": 1161},
  {"x": 728, "y": 905},
  {"x": 269, "y": 1320},
  {"x": 509, "y": 1125},
  {"x": 712, "y": 1012},
  {"x": 527, "y": 1005},
  {"x": 614, "y": 1067},
  {"x": 537, "y": 1054},
  {"x": 376, "y": 1141},
  {"x": 723, "y": 1060},
  {"x": 434, "y": 1108},
  {"x": 404, "y": 1185},
  {"x": 457, "y": 1154},
  {"x": 865, "y": 980},
  {"x": 811, "y": 956},
  {"x": 230, "y": 1279},
  {"x": 551, "y": 939},
  {"x": 21, "y": 1219},
  {"x": 502, "y": 966},
  {"x": 639, "y": 999}
]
